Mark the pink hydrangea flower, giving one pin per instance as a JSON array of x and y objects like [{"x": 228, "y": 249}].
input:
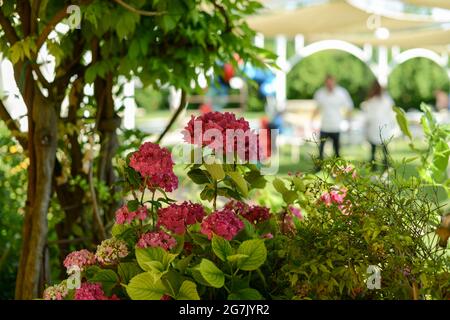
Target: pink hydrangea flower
[
  {"x": 335, "y": 196},
  {"x": 326, "y": 199},
  {"x": 223, "y": 223},
  {"x": 155, "y": 165},
  {"x": 224, "y": 133},
  {"x": 124, "y": 215},
  {"x": 157, "y": 239},
  {"x": 253, "y": 214},
  {"x": 81, "y": 259},
  {"x": 296, "y": 212},
  {"x": 56, "y": 292},
  {"x": 92, "y": 291},
  {"x": 110, "y": 251},
  {"x": 177, "y": 217}
]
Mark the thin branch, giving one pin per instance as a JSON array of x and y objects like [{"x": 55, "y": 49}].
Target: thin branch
[
  {"x": 12, "y": 125},
  {"x": 140, "y": 12},
  {"x": 8, "y": 29},
  {"x": 222, "y": 10},
  {"x": 57, "y": 18},
  {"x": 180, "y": 108},
  {"x": 96, "y": 209},
  {"x": 40, "y": 76}
]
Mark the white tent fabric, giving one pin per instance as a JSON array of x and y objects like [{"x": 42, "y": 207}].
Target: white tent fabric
[
  {"x": 445, "y": 4},
  {"x": 404, "y": 39},
  {"x": 336, "y": 16}
]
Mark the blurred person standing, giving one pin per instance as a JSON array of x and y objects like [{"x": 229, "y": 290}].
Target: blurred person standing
[
  {"x": 333, "y": 102},
  {"x": 380, "y": 121}
]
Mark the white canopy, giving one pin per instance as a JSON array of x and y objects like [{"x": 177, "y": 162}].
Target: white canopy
[
  {"x": 338, "y": 16},
  {"x": 445, "y": 4}
]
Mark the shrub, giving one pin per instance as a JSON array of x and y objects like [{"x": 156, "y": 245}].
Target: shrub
[{"x": 318, "y": 246}]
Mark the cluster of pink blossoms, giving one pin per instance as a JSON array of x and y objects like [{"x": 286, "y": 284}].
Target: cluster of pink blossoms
[
  {"x": 157, "y": 239},
  {"x": 224, "y": 223},
  {"x": 155, "y": 165},
  {"x": 56, "y": 292},
  {"x": 224, "y": 133},
  {"x": 253, "y": 214},
  {"x": 177, "y": 217},
  {"x": 110, "y": 251},
  {"x": 337, "y": 196},
  {"x": 92, "y": 291},
  {"x": 346, "y": 170},
  {"x": 124, "y": 215},
  {"x": 81, "y": 259}
]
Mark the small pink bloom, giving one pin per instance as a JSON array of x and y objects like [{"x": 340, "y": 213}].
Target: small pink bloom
[
  {"x": 296, "y": 212},
  {"x": 155, "y": 164},
  {"x": 267, "y": 236},
  {"x": 157, "y": 239},
  {"x": 82, "y": 259},
  {"x": 223, "y": 223},
  {"x": 177, "y": 217}
]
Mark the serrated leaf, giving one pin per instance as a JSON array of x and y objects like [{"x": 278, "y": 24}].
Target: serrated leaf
[
  {"x": 107, "y": 278},
  {"x": 188, "y": 291},
  {"x": 257, "y": 254},
  {"x": 213, "y": 275},
  {"x": 145, "y": 287},
  {"x": 127, "y": 270},
  {"x": 221, "y": 247},
  {"x": 234, "y": 258},
  {"x": 245, "y": 294},
  {"x": 240, "y": 182}
]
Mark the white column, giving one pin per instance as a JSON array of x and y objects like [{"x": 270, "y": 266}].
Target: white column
[
  {"x": 129, "y": 117},
  {"x": 368, "y": 52},
  {"x": 395, "y": 51},
  {"x": 281, "y": 44},
  {"x": 299, "y": 43},
  {"x": 383, "y": 65}
]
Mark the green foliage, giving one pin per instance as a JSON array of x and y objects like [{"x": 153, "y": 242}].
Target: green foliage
[
  {"x": 434, "y": 160},
  {"x": 387, "y": 223},
  {"x": 415, "y": 81},
  {"x": 309, "y": 74},
  {"x": 13, "y": 166}
]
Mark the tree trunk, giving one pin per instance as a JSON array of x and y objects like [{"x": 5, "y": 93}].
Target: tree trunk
[{"x": 42, "y": 137}]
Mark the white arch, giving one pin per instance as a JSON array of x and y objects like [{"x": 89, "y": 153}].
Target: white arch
[
  {"x": 419, "y": 53},
  {"x": 328, "y": 45}
]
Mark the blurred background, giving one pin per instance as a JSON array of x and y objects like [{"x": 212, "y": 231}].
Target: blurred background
[{"x": 403, "y": 44}]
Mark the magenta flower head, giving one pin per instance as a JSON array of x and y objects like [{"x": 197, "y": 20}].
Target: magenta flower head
[
  {"x": 157, "y": 239},
  {"x": 223, "y": 133},
  {"x": 92, "y": 291},
  {"x": 224, "y": 223},
  {"x": 253, "y": 214},
  {"x": 123, "y": 215},
  {"x": 81, "y": 259},
  {"x": 177, "y": 217},
  {"x": 155, "y": 165}
]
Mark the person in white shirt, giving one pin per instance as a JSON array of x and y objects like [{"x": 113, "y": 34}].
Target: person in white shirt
[
  {"x": 332, "y": 103},
  {"x": 380, "y": 121}
]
